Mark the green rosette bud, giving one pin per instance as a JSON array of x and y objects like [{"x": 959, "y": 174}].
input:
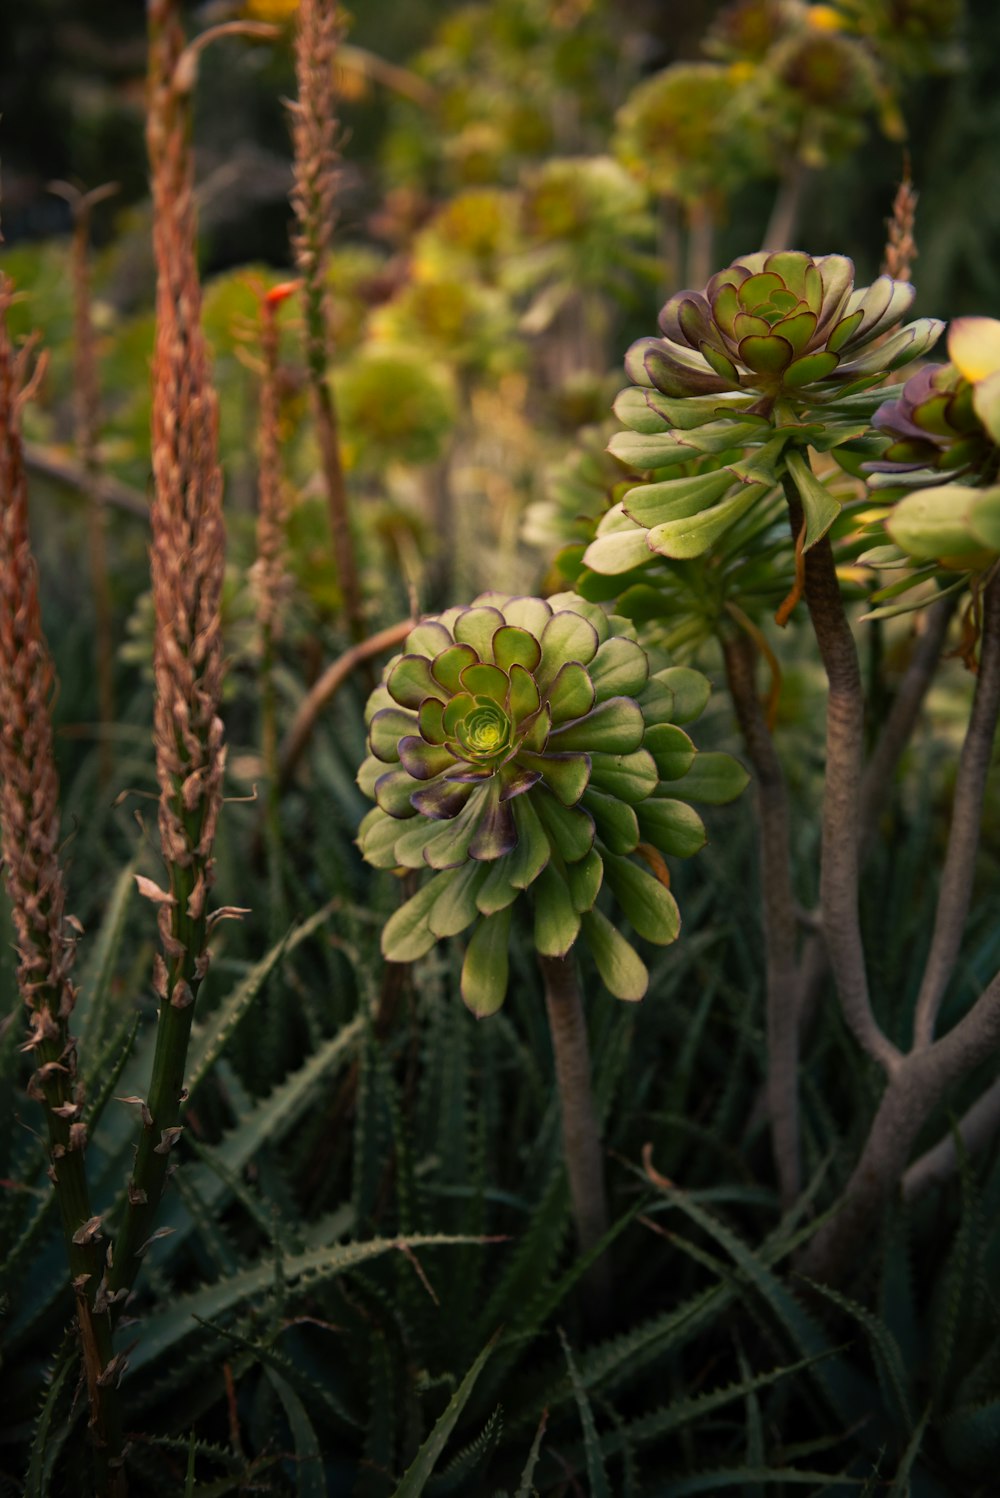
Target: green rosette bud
[
  {"x": 531, "y": 747},
  {"x": 781, "y": 326},
  {"x": 777, "y": 355}
]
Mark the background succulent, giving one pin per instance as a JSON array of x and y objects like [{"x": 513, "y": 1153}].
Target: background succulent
[
  {"x": 945, "y": 424},
  {"x": 523, "y": 745}
]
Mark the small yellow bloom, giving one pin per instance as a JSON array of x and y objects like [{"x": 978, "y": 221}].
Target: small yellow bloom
[
  {"x": 274, "y": 11},
  {"x": 974, "y": 347},
  {"x": 740, "y": 72},
  {"x": 824, "y": 18}
]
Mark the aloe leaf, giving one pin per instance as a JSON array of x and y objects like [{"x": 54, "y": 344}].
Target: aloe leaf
[
  {"x": 163, "y": 1331},
  {"x": 739, "y": 1477},
  {"x": 266, "y": 1123},
  {"x": 885, "y": 1352},
  {"x": 417, "y": 1474},
  {"x": 901, "y": 1481},
  {"x": 95, "y": 984},
  {"x": 310, "y": 1479},
  {"x": 51, "y": 1429},
  {"x": 209, "y": 1040},
  {"x": 596, "y": 1475},
  {"x": 524, "y": 1487}
]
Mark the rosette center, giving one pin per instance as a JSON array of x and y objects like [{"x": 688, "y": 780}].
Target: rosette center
[{"x": 484, "y": 731}]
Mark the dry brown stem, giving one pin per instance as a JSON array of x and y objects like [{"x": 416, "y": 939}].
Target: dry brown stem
[
  {"x": 901, "y": 246},
  {"x": 269, "y": 576},
  {"x": 315, "y": 132},
  {"x": 187, "y": 561},
  {"x": 29, "y": 831},
  {"x": 87, "y": 419}
]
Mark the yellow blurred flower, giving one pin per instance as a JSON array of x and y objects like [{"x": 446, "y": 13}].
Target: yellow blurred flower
[{"x": 274, "y": 11}]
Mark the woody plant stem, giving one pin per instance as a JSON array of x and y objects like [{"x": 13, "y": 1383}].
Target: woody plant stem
[
  {"x": 580, "y": 1128},
  {"x": 314, "y": 137}
]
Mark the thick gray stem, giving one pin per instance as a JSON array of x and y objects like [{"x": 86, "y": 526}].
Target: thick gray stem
[
  {"x": 581, "y": 1136},
  {"x": 914, "y": 1089},
  {"x": 902, "y": 717},
  {"x": 963, "y": 836},
  {"x": 841, "y": 793},
  {"x": 778, "y": 912},
  {"x": 977, "y": 1127}
]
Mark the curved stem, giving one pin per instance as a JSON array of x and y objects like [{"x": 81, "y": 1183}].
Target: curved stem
[
  {"x": 902, "y": 716},
  {"x": 778, "y": 911},
  {"x": 916, "y": 1086},
  {"x": 841, "y": 790},
  {"x": 977, "y": 1127},
  {"x": 580, "y": 1130},
  {"x": 326, "y": 687},
  {"x": 963, "y": 835}
]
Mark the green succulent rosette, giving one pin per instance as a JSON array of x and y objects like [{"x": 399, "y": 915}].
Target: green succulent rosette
[
  {"x": 531, "y": 747},
  {"x": 778, "y": 355},
  {"x": 943, "y": 425},
  {"x": 683, "y": 602}
]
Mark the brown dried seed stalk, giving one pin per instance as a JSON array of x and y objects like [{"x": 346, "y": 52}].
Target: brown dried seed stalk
[
  {"x": 901, "y": 246},
  {"x": 29, "y": 833},
  {"x": 187, "y": 560},
  {"x": 315, "y": 131},
  {"x": 269, "y": 574}
]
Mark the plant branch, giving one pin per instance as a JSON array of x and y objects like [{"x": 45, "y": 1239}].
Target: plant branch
[
  {"x": 977, "y": 1127},
  {"x": 841, "y": 792},
  {"x": 915, "y": 1087},
  {"x": 69, "y": 475},
  {"x": 580, "y": 1130},
  {"x": 327, "y": 686},
  {"x": 963, "y": 835},
  {"x": 902, "y": 717},
  {"x": 778, "y": 911}
]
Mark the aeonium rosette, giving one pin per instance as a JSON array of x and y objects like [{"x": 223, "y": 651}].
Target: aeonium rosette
[
  {"x": 778, "y": 354},
  {"x": 940, "y": 468},
  {"x": 524, "y": 746}
]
